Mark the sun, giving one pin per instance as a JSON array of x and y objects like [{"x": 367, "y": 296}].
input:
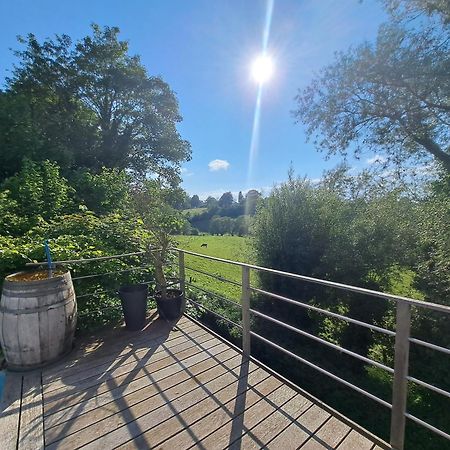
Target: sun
[{"x": 262, "y": 69}]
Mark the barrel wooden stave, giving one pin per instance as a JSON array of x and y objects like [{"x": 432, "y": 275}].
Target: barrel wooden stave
[{"x": 37, "y": 320}]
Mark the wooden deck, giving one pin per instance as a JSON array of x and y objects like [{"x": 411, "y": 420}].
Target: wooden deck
[{"x": 166, "y": 387}]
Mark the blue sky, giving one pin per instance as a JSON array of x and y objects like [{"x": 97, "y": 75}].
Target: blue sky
[{"x": 204, "y": 49}]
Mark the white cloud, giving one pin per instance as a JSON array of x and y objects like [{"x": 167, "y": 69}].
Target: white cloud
[
  {"x": 376, "y": 159},
  {"x": 218, "y": 164}
]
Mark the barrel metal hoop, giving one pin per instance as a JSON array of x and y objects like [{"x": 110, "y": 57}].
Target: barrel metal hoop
[
  {"x": 33, "y": 294},
  {"x": 19, "y": 312}
]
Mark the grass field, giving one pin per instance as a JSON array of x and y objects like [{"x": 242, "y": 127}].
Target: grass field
[
  {"x": 194, "y": 211},
  {"x": 228, "y": 247},
  {"x": 240, "y": 249}
]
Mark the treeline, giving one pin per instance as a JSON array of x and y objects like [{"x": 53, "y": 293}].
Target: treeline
[{"x": 225, "y": 215}]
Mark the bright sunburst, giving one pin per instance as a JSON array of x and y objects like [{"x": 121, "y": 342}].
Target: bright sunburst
[{"x": 262, "y": 69}]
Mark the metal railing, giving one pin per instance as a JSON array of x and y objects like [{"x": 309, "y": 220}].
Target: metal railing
[
  {"x": 97, "y": 280},
  {"x": 401, "y": 334}
]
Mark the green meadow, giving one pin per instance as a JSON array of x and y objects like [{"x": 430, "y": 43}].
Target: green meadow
[{"x": 227, "y": 247}]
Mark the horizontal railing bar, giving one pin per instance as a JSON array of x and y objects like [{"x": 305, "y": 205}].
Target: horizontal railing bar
[
  {"x": 110, "y": 273},
  {"x": 116, "y": 290},
  {"x": 235, "y": 304},
  {"x": 324, "y": 311},
  {"x": 429, "y": 345},
  {"x": 427, "y": 425},
  {"x": 324, "y": 342},
  {"x": 217, "y": 277},
  {"x": 199, "y": 305},
  {"x": 119, "y": 306},
  {"x": 90, "y": 294},
  {"x": 321, "y": 370},
  {"x": 73, "y": 261},
  {"x": 431, "y": 387},
  {"x": 346, "y": 287},
  {"x": 84, "y": 313},
  {"x": 169, "y": 285}
]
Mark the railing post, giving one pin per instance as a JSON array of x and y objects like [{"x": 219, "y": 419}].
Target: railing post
[
  {"x": 245, "y": 304},
  {"x": 400, "y": 383},
  {"x": 182, "y": 277}
]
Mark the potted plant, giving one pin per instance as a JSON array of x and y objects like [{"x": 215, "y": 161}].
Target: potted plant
[
  {"x": 134, "y": 305},
  {"x": 162, "y": 222}
]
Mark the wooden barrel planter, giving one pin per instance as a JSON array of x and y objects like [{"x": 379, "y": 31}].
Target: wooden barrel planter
[{"x": 37, "y": 318}]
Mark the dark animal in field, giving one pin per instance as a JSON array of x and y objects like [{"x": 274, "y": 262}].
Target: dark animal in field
[{"x": 204, "y": 245}]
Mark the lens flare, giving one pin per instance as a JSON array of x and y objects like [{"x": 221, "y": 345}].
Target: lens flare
[{"x": 262, "y": 69}]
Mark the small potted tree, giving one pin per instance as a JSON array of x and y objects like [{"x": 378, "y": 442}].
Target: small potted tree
[{"x": 162, "y": 222}]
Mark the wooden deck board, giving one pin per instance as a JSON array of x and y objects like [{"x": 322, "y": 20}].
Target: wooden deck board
[
  {"x": 276, "y": 423},
  {"x": 329, "y": 435},
  {"x": 149, "y": 400},
  {"x": 114, "y": 343},
  {"x": 246, "y": 395},
  {"x": 93, "y": 387},
  {"x": 10, "y": 411},
  {"x": 31, "y": 435},
  {"x": 185, "y": 418},
  {"x": 128, "y": 357},
  {"x": 161, "y": 358},
  {"x": 138, "y": 388},
  {"x": 300, "y": 430},
  {"x": 252, "y": 408},
  {"x": 168, "y": 386},
  {"x": 272, "y": 426},
  {"x": 355, "y": 440}
]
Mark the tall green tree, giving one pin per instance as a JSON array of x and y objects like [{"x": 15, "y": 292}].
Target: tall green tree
[
  {"x": 95, "y": 106},
  {"x": 211, "y": 202},
  {"x": 195, "y": 201},
  {"x": 316, "y": 231},
  {"x": 20, "y": 136},
  {"x": 226, "y": 200},
  {"x": 392, "y": 96}
]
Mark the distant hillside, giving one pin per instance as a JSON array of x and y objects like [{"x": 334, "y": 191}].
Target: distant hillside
[{"x": 194, "y": 211}]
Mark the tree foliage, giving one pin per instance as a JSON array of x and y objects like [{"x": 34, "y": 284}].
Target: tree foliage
[
  {"x": 315, "y": 231},
  {"x": 195, "y": 201},
  {"x": 211, "y": 202},
  {"x": 221, "y": 225},
  {"x": 434, "y": 243},
  {"x": 104, "y": 192},
  {"x": 37, "y": 191},
  {"x": 154, "y": 205},
  {"x": 89, "y": 104},
  {"x": 409, "y": 9},
  {"x": 391, "y": 96},
  {"x": 20, "y": 136},
  {"x": 226, "y": 200}
]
